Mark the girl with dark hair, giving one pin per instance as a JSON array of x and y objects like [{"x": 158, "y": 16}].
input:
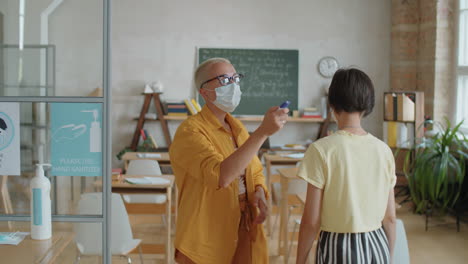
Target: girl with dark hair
[{"x": 351, "y": 175}]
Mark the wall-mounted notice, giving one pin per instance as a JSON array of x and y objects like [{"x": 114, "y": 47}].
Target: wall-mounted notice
[
  {"x": 76, "y": 139},
  {"x": 9, "y": 139}
]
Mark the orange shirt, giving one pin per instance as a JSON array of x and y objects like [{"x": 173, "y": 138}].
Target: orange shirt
[{"x": 208, "y": 216}]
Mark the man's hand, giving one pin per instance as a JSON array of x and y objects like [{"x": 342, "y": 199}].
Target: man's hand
[
  {"x": 274, "y": 120},
  {"x": 260, "y": 202}
]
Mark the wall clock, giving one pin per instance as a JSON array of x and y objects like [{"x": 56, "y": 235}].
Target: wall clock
[{"x": 327, "y": 66}]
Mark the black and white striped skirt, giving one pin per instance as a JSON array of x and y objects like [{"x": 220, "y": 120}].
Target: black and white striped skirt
[{"x": 357, "y": 248}]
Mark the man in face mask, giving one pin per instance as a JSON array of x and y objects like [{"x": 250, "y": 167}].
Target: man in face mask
[{"x": 222, "y": 192}]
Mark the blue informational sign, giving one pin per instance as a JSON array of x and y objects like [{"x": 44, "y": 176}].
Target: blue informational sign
[{"x": 76, "y": 139}]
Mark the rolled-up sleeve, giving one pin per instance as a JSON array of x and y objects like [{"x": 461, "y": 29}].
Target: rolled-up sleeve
[{"x": 194, "y": 155}]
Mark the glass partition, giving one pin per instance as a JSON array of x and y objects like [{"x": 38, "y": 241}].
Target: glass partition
[
  {"x": 54, "y": 108},
  {"x": 47, "y": 135},
  {"x": 27, "y": 71},
  {"x": 42, "y": 52}
]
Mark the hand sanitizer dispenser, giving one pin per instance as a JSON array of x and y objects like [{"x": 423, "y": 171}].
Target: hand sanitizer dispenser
[
  {"x": 41, "y": 218},
  {"x": 94, "y": 132}
]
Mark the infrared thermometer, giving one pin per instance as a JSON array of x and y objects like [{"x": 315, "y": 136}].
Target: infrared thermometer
[{"x": 285, "y": 104}]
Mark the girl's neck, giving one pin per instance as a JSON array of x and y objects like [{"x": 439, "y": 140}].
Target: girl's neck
[{"x": 350, "y": 122}]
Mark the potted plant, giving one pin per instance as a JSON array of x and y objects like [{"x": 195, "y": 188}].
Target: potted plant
[{"x": 435, "y": 169}]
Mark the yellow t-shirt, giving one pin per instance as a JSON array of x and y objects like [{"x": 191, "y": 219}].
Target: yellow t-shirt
[{"x": 356, "y": 173}]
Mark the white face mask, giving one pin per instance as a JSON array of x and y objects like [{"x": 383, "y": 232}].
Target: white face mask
[{"x": 228, "y": 97}]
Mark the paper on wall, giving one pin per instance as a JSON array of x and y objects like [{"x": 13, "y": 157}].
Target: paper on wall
[
  {"x": 76, "y": 139},
  {"x": 9, "y": 139}
]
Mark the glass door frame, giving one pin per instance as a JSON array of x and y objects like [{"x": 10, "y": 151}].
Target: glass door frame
[{"x": 106, "y": 142}]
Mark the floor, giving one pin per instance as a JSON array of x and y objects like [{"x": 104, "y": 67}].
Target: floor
[{"x": 440, "y": 244}]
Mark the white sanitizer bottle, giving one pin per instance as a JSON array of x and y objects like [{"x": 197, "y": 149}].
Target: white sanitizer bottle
[{"x": 41, "y": 217}]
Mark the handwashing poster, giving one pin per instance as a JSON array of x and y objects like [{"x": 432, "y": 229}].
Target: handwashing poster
[
  {"x": 9, "y": 139},
  {"x": 76, "y": 139}
]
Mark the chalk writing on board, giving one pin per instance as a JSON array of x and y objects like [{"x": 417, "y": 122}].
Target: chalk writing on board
[{"x": 271, "y": 76}]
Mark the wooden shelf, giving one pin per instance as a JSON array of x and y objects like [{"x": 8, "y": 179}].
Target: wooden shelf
[
  {"x": 141, "y": 119},
  {"x": 165, "y": 118},
  {"x": 290, "y": 119},
  {"x": 168, "y": 117},
  {"x": 398, "y": 121},
  {"x": 401, "y": 148},
  {"x": 249, "y": 119},
  {"x": 162, "y": 119}
]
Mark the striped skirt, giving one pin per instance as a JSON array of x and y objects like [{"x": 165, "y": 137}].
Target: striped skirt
[{"x": 361, "y": 248}]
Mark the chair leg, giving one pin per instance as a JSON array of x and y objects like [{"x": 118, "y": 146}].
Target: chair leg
[
  {"x": 129, "y": 260},
  {"x": 291, "y": 242},
  {"x": 275, "y": 222},
  {"x": 163, "y": 217},
  {"x": 289, "y": 214},
  {"x": 78, "y": 258},
  {"x": 140, "y": 252}
]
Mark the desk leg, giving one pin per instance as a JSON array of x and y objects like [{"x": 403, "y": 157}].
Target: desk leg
[
  {"x": 169, "y": 225},
  {"x": 126, "y": 165},
  {"x": 270, "y": 203},
  {"x": 283, "y": 236}
]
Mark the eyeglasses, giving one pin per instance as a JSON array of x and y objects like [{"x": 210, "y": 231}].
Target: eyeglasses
[{"x": 225, "y": 80}]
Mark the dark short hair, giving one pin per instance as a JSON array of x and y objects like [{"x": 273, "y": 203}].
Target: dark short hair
[{"x": 351, "y": 90}]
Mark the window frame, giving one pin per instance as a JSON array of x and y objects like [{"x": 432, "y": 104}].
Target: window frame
[{"x": 459, "y": 69}]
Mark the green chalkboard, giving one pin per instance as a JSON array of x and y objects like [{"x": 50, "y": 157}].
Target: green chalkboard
[{"x": 271, "y": 76}]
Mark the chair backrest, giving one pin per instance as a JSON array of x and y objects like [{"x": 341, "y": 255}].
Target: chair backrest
[
  {"x": 143, "y": 167},
  {"x": 297, "y": 186},
  {"x": 401, "y": 252},
  {"x": 89, "y": 235}
]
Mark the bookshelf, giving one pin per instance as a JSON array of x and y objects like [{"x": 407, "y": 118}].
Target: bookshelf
[
  {"x": 248, "y": 119},
  {"x": 141, "y": 120},
  {"x": 324, "y": 123},
  {"x": 400, "y": 111},
  {"x": 405, "y": 107}
]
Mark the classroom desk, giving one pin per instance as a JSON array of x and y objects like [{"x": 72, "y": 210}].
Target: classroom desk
[
  {"x": 163, "y": 160},
  {"x": 272, "y": 160},
  {"x": 123, "y": 187},
  {"x": 36, "y": 251},
  {"x": 286, "y": 175}
]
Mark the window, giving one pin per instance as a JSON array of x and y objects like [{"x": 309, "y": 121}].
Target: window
[{"x": 462, "y": 65}]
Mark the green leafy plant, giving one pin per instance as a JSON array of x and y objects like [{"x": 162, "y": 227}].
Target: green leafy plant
[
  {"x": 435, "y": 169},
  {"x": 146, "y": 146}
]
